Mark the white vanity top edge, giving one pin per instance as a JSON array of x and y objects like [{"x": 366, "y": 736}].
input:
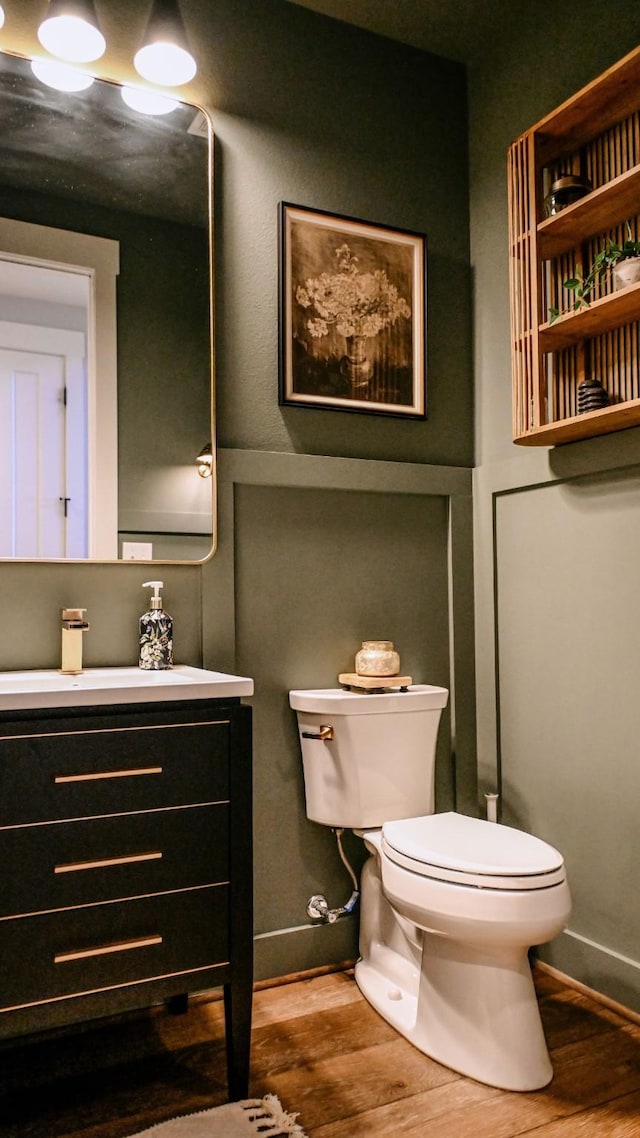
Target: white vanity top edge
[{"x": 22, "y": 691}]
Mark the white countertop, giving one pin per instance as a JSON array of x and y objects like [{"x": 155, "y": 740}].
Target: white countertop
[{"x": 20, "y": 691}]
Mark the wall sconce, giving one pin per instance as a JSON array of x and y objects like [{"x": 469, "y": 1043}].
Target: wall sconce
[
  {"x": 205, "y": 461},
  {"x": 71, "y": 31},
  {"x": 164, "y": 57},
  {"x": 1, "y": 15}
]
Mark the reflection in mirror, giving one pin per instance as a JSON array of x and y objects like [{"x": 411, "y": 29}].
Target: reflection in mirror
[{"x": 105, "y": 324}]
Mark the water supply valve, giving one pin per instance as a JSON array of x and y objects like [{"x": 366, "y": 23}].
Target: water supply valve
[
  {"x": 318, "y": 909},
  {"x": 318, "y": 906}
]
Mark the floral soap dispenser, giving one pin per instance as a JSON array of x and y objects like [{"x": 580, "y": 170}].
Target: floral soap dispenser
[{"x": 156, "y": 633}]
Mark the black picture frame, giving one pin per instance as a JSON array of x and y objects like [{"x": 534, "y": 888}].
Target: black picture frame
[{"x": 352, "y": 320}]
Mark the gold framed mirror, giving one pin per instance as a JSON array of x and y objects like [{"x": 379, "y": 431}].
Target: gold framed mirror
[{"x": 105, "y": 243}]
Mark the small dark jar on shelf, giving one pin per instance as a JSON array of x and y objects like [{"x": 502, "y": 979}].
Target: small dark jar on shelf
[{"x": 565, "y": 191}]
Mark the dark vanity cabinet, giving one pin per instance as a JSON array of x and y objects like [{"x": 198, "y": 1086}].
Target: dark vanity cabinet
[{"x": 125, "y": 864}]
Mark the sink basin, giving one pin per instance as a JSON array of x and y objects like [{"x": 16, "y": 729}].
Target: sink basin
[{"x": 22, "y": 690}]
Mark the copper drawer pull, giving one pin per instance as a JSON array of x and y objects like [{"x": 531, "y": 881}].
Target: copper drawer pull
[
  {"x": 103, "y": 863},
  {"x": 106, "y": 774},
  {"x": 103, "y": 950}
]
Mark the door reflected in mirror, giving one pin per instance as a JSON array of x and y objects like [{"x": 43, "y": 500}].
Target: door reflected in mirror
[{"x": 105, "y": 324}]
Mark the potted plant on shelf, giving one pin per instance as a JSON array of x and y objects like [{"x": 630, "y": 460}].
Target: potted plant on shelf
[{"x": 624, "y": 262}]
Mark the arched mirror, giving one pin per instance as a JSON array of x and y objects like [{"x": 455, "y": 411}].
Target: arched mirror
[{"x": 105, "y": 324}]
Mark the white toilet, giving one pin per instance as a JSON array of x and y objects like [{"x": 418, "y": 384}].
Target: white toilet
[{"x": 450, "y": 904}]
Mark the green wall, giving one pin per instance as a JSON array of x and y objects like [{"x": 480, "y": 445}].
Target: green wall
[
  {"x": 334, "y": 565},
  {"x": 556, "y": 545},
  {"x": 315, "y": 113}
]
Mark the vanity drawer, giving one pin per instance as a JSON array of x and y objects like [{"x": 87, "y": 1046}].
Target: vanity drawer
[
  {"x": 53, "y": 955},
  {"x": 48, "y": 776},
  {"x": 58, "y": 865}
]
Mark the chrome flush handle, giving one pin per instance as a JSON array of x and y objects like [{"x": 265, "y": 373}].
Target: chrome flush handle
[{"x": 325, "y": 734}]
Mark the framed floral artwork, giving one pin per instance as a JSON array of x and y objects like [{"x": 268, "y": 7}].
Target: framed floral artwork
[{"x": 352, "y": 314}]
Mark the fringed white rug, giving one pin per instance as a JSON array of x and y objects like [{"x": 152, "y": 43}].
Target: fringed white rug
[{"x": 264, "y": 1117}]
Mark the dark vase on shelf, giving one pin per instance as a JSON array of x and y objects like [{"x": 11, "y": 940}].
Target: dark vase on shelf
[{"x": 591, "y": 396}]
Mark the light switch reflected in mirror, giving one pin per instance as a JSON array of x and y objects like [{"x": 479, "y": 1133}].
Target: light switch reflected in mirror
[{"x": 105, "y": 242}]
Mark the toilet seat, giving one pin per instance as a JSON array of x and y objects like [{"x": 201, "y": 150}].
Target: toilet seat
[{"x": 470, "y": 851}]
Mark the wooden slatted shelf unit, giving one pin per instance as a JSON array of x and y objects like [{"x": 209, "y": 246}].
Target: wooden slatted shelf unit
[{"x": 595, "y": 134}]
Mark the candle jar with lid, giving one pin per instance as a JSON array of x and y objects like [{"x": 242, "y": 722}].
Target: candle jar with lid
[{"x": 377, "y": 658}]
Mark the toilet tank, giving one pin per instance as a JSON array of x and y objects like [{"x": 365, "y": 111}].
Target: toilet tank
[{"x": 378, "y": 765}]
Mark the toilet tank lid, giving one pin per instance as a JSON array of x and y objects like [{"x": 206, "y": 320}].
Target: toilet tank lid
[
  {"x": 458, "y": 842},
  {"x": 337, "y": 701}
]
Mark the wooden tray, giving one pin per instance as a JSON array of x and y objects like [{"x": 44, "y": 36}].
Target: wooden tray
[{"x": 374, "y": 683}]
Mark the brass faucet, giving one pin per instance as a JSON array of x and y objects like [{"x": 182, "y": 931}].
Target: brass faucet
[{"x": 73, "y": 625}]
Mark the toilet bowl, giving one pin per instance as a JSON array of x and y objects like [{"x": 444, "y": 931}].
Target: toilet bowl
[
  {"x": 450, "y": 904},
  {"x": 461, "y": 986}
]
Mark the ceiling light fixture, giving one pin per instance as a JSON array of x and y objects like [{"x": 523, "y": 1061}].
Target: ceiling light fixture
[
  {"x": 71, "y": 31},
  {"x": 148, "y": 102},
  {"x": 164, "y": 57},
  {"x": 60, "y": 77},
  {"x": 205, "y": 461}
]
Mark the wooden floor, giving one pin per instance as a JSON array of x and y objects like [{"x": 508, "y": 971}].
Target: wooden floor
[{"x": 327, "y": 1055}]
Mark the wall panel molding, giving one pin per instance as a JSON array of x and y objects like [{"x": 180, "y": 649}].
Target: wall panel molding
[
  {"x": 528, "y": 471},
  {"x": 243, "y": 478},
  {"x": 556, "y": 605},
  {"x": 280, "y": 469}
]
